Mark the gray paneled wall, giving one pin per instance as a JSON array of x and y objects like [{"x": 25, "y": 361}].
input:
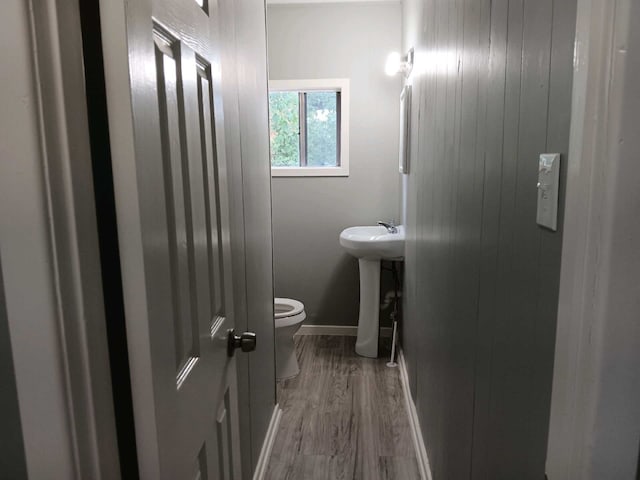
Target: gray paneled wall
[
  {"x": 336, "y": 41},
  {"x": 492, "y": 90}
]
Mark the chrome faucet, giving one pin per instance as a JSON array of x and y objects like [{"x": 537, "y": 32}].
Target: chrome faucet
[{"x": 391, "y": 228}]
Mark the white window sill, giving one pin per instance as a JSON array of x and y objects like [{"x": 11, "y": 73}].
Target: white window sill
[{"x": 342, "y": 171}]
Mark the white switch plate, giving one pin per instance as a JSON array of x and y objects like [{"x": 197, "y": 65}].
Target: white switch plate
[{"x": 548, "y": 186}]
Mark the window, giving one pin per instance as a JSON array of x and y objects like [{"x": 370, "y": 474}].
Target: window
[{"x": 309, "y": 127}]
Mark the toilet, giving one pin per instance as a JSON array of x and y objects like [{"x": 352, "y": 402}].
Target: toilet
[{"x": 289, "y": 315}]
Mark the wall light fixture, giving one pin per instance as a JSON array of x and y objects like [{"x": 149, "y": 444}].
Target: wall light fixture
[{"x": 399, "y": 64}]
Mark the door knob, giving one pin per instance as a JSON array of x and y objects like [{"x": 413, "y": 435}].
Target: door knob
[{"x": 245, "y": 341}]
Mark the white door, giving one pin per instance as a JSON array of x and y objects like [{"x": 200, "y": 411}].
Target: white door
[{"x": 162, "y": 67}]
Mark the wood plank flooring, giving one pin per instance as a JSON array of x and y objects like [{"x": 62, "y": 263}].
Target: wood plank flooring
[{"x": 343, "y": 417}]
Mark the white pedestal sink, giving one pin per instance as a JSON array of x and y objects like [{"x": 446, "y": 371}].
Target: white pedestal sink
[{"x": 369, "y": 245}]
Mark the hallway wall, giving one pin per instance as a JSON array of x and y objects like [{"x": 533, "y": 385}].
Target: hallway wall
[
  {"x": 336, "y": 41},
  {"x": 492, "y": 90}
]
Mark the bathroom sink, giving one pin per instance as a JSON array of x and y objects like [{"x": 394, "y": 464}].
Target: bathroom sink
[
  {"x": 373, "y": 242},
  {"x": 370, "y": 245}
]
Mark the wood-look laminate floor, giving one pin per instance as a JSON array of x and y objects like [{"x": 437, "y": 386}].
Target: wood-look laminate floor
[{"x": 343, "y": 417}]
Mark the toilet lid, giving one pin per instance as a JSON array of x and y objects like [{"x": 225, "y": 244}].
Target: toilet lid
[{"x": 287, "y": 307}]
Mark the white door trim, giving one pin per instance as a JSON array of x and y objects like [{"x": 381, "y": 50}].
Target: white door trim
[
  {"x": 50, "y": 249},
  {"x": 594, "y": 421},
  {"x": 113, "y": 22}
]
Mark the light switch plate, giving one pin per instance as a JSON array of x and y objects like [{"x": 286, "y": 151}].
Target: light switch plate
[{"x": 548, "y": 186}]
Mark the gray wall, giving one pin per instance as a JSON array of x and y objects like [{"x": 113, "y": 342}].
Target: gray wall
[
  {"x": 492, "y": 90},
  {"x": 336, "y": 41}
]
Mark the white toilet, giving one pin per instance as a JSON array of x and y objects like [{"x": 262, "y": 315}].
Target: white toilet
[{"x": 289, "y": 315}]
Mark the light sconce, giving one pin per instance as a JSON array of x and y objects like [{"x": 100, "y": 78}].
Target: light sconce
[{"x": 397, "y": 64}]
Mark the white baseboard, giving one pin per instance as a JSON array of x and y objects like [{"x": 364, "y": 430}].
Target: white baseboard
[
  {"x": 348, "y": 331},
  {"x": 267, "y": 445},
  {"x": 338, "y": 330},
  {"x": 416, "y": 431}
]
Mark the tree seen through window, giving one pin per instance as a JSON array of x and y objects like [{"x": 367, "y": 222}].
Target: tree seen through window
[{"x": 304, "y": 128}]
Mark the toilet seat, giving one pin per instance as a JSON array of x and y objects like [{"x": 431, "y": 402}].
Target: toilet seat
[{"x": 288, "y": 312}]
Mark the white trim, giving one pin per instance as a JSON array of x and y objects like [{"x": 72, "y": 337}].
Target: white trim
[
  {"x": 50, "y": 252},
  {"x": 300, "y": 2},
  {"x": 594, "y": 422},
  {"x": 414, "y": 422},
  {"x": 267, "y": 446},
  {"x": 341, "y": 84},
  {"x": 341, "y": 171},
  {"x": 338, "y": 330},
  {"x": 337, "y": 84}
]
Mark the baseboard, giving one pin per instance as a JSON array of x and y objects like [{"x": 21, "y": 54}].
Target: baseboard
[
  {"x": 348, "y": 331},
  {"x": 416, "y": 431},
  {"x": 338, "y": 330},
  {"x": 267, "y": 445}
]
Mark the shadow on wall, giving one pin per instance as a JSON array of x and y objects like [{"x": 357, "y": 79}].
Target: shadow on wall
[{"x": 336, "y": 302}]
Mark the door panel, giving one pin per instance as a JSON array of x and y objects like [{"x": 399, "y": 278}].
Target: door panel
[
  {"x": 211, "y": 179},
  {"x": 180, "y": 238},
  {"x": 177, "y": 316}
]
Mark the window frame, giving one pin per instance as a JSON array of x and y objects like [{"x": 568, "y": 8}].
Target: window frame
[{"x": 340, "y": 85}]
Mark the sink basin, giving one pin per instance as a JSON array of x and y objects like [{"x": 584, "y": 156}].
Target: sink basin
[
  {"x": 373, "y": 242},
  {"x": 370, "y": 245}
]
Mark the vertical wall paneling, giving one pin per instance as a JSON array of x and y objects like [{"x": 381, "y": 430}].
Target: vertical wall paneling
[
  {"x": 550, "y": 247},
  {"x": 494, "y": 124},
  {"x": 492, "y": 87},
  {"x": 416, "y": 144},
  {"x": 516, "y": 353}
]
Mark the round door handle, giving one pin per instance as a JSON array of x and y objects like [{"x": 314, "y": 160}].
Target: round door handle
[{"x": 245, "y": 341}]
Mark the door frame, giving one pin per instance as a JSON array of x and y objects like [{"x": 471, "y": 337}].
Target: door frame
[
  {"x": 56, "y": 200},
  {"x": 251, "y": 228},
  {"x": 596, "y": 385}
]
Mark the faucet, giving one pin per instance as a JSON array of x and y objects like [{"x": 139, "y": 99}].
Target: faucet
[{"x": 391, "y": 228}]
